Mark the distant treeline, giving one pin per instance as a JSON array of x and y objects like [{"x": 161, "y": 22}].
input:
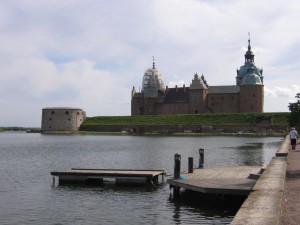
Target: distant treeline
[{"x": 19, "y": 129}]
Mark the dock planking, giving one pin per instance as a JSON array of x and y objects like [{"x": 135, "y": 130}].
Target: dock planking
[
  {"x": 122, "y": 176},
  {"x": 224, "y": 180}
]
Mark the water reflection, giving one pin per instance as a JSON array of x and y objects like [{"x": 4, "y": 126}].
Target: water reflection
[
  {"x": 202, "y": 210},
  {"x": 255, "y": 154}
]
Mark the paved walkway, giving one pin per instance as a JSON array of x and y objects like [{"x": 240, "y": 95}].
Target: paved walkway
[{"x": 291, "y": 198}]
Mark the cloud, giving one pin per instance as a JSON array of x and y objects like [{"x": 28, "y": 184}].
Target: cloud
[
  {"x": 282, "y": 92},
  {"x": 89, "y": 54}
]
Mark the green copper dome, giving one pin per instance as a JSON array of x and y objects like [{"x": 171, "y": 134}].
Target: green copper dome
[
  {"x": 244, "y": 68},
  {"x": 251, "y": 78}
]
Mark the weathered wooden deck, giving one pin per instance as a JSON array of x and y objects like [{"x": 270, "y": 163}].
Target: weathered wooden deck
[
  {"x": 226, "y": 180},
  {"x": 121, "y": 176}
]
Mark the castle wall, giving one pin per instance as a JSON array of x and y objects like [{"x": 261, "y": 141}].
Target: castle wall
[
  {"x": 62, "y": 119},
  {"x": 173, "y": 108},
  {"x": 197, "y": 101},
  {"x": 251, "y": 98},
  {"x": 149, "y": 106},
  {"x": 223, "y": 103},
  {"x": 137, "y": 106}
]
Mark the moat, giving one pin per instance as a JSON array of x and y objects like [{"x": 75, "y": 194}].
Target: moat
[{"x": 28, "y": 195}]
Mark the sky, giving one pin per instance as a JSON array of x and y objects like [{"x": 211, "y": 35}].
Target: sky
[{"x": 89, "y": 54}]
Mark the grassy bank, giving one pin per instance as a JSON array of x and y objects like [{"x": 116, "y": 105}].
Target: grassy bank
[{"x": 195, "y": 119}]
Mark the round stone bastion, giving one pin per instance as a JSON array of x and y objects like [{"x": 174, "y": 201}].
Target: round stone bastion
[{"x": 62, "y": 119}]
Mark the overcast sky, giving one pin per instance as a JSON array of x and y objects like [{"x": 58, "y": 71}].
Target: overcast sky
[{"x": 90, "y": 53}]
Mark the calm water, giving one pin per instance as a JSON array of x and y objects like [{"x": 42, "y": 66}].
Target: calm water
[{"x": 28, "y": 195}]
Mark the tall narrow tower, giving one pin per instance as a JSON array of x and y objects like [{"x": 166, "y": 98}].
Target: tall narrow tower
[{"x": 250, "y": 79}]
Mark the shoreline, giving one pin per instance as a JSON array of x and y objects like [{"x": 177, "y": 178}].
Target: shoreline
[{"x": 175, "y": 134}]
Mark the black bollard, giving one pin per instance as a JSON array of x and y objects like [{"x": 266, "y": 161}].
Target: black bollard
[
  {"x": 191, "y": 164},
  {"x": 177, "y": 165},
  {"x": 201, "y": 158}
]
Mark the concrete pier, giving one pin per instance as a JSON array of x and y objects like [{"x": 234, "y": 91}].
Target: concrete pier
[
  {"x": 291, "y": 196},
  {"x": 275, "y": 198},
  {"x": 263, "y": 205}
]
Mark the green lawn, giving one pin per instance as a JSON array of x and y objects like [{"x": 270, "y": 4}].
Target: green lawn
[{"x": 195, "y": 119}]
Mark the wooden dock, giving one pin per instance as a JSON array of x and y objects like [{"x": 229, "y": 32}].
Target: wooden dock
[
  {"x": 121, "y": 176},
  {"x": 227, "y": 180}
]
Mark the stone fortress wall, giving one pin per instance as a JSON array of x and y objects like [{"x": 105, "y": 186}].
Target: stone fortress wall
[{"x": 62, "y": 119}]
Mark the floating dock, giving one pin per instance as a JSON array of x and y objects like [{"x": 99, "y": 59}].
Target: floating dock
[
  {"x": 237, "y": 180},
  {"x": 121, "y": 176}
]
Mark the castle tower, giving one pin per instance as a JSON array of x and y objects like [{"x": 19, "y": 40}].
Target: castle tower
[
  {"x": 62, "y": 119},
  {"x": 250, "y": 80},
  {"x": 198, "y": 95},
  {"x": 153, "y": 87},
  {"x": 249, "y": 62}
]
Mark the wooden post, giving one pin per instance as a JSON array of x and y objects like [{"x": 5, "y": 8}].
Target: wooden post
[
  {"x": 201, "y": 158},
  {"x": 191, "y": 164},
  {"x": 177, "y": 165}
]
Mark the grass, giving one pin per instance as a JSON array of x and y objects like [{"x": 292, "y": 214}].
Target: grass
[{"x": 194, "y": 119}]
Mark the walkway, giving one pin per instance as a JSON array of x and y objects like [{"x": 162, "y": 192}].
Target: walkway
[{"x": 291, "y": 198}]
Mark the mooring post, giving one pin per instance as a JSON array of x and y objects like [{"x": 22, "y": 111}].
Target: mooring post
[
  {"x": 191, "y": 164},
  {"x": 177, "y": 159},
  {"x": 177, "y": 165},
  {"x": 201, "y": 158}
]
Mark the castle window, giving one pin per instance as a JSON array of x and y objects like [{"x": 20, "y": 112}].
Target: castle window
[
  {"x": 50, "y": 119},
  {"x": 69, "y": 119},
  {"x": 212, "y": 98},
  {"x": 52, "y": 113},
  {"x": 78, "y": 113},
  {"x": 232, "y": 98},
  {"x": 253, "y": 95},
  {"x": 67, "y": 112}
]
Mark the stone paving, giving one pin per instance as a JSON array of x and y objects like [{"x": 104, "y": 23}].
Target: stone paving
[{"x": 291, "y": 197}]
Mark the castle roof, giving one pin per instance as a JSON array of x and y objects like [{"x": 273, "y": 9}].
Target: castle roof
[
  {"x": 176, "y": 95},
  {"x": 224, "y": 89},
  {"x": 251, "y": 78},
  {"x": 152, "y": 79},
  {"x": 198, "y": 82}
]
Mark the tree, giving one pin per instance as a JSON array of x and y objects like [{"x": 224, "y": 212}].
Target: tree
[{"x": 294, "y": 117}]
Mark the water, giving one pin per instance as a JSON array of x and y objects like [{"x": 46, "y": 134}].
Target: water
[{"x": 28, "y": 195}]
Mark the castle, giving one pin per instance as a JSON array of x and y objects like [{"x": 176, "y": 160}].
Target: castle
[{"x": 246, "y": 96}]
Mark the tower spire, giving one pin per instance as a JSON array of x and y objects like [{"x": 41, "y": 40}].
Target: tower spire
[
  {"x": 153, "y": 62},
  {"x": 249, "y": 56},
  {"x": 249, "y": 46}
]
